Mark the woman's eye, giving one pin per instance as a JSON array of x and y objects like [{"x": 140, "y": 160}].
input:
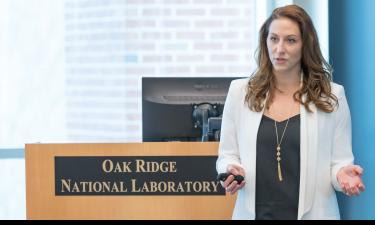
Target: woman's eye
[
  {"x": 273, "y": 38},
  {"x": 291, "y": 40}
]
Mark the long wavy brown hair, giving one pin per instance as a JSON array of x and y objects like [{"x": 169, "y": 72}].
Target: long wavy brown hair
[{"x": 316, "y": 71}]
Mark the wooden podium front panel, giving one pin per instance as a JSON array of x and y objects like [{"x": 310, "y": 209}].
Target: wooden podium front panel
[{"x": 42, "y": 203}]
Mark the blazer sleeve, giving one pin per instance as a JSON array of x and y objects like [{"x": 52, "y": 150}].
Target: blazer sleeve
[
  {"x": 342, "y": 144},
  {"x": 228, "y": 148}
]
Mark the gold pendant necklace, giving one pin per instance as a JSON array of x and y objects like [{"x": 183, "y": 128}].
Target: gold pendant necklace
[{"x": 278, "y": 149}]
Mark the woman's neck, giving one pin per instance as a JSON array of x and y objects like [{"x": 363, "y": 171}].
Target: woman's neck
[{"x": 287, "y": 83}]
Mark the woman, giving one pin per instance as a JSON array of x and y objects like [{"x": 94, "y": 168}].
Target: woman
[{"x": 287, "y": 129}]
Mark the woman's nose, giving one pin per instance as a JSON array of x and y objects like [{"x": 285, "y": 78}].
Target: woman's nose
[{"x": 280, "y": 47}]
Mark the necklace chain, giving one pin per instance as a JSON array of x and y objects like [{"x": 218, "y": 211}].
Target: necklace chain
[{"x": 278, "y": 149}]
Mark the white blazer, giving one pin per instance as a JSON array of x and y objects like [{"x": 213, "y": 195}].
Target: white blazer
[{"x": 326, "y": 146}]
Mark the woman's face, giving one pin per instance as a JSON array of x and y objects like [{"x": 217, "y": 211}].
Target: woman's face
[{"x": 284, "y": 45}]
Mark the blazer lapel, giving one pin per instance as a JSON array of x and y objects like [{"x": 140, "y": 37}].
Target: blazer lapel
[
  {"x": 251, "y": 121},
  {"x": 308, "y": 148}
]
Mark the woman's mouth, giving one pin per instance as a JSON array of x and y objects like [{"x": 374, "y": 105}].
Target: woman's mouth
[{"x": 280, "y": 60}]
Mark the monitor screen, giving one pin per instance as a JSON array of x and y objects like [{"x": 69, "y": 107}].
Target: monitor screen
[{"x": 183, "y": 108}]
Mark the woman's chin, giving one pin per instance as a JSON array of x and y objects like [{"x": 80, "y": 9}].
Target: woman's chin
[{"x": 280, "y": 68}]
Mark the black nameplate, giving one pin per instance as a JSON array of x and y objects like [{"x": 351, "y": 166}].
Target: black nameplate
[{"x": 137, "y": 175}]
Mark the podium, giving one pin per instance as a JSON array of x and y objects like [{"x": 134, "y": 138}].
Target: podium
[{"x": 44, "y": 202}]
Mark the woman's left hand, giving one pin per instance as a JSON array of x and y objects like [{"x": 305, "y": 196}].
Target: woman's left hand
[{"x": 349, "y": 177}]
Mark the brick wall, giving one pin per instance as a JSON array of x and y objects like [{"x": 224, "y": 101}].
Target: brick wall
[{"x": 111, "y": 44}]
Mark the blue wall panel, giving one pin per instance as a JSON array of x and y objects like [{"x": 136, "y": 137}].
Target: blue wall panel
[{"x": 352, "y": 51}]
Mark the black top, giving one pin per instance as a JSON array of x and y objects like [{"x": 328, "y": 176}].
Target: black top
[{"x": 275, "y": 199}]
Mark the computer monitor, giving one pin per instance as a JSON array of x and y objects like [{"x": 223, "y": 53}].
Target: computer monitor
[{"x": 183, "y": 108}]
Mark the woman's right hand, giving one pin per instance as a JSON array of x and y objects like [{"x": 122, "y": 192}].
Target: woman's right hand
[{"x": 230, "y": 184}]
